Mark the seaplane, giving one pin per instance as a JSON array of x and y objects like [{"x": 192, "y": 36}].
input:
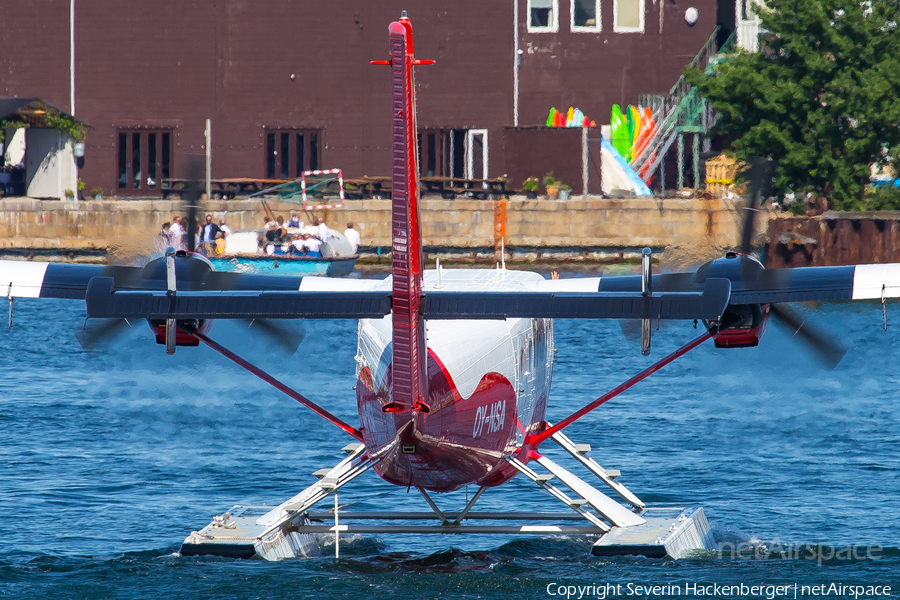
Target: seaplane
[{"x": 453, "y": 368}]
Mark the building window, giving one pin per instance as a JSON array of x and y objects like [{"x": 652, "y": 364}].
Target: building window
[
  {"x": 585, "y": 15},
  {"x": 145, "y": 158},
  {"x": 628, "y": 15},
  {"x": 543, "y": 15},
  {"x": 289, "y": 153},
  {"x": 443, "y": 153}
]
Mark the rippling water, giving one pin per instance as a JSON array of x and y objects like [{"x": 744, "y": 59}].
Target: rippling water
[{"x": 108, "y": 461}]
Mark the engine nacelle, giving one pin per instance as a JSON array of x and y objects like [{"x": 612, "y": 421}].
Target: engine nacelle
[
  {"x": 182, "y": 338},
  {"x": 190, "y": 268},
  {"x": 743, "y": 324},
  {"x": 750, "y": 324}
]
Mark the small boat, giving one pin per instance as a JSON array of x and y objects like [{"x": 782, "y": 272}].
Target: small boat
[
  {"x": 243, "y": 254},
  {"x": 336, "y": 266}
]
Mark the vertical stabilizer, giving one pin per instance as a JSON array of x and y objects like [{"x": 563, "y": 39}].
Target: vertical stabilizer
[{"x": 409, "y": 356}]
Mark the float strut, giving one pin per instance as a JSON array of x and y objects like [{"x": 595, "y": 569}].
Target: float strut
[
  {"x": 537, "y": 438},
  {"x": 646, "y": 292}
]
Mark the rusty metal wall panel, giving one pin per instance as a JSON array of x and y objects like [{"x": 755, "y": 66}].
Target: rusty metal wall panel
[
  {"x": 34, "y": 50},
  {"x": 834, "y": 241}
]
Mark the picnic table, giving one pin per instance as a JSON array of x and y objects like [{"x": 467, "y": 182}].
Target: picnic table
[
  {"x": 225, "y": 188},
  {"x": 451, "y": 187},
  {"x": 363, "y": 188},
  {"x": 359, "y": 188}
]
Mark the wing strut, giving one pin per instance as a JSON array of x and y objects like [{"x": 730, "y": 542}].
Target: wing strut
[
  {"x": 535, "y": 440},
  {"x": 274, "y": 383}
]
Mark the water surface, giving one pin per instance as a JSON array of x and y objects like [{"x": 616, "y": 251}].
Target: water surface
[{"x": 108, "y": 461}]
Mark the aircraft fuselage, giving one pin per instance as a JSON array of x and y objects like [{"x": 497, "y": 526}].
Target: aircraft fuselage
[{"x": 487, "y": 387}]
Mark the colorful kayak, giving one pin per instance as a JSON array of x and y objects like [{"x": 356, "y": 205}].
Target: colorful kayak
[{"x": 619, "y": 136}]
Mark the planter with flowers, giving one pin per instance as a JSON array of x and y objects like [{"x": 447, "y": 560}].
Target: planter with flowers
[
  {"x": 551, "y": 184},
  {"x": 531, "y": 187}
]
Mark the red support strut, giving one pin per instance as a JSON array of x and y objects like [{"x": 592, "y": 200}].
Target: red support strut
[
  {"x": 535, "y": 440},
  {"x": 276, "y": 384}
]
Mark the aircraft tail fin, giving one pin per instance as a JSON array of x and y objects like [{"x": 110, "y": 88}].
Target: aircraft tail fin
[{"x": 409, "y": 359}]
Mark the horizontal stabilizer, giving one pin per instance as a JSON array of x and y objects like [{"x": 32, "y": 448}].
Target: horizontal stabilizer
[
  {"x": 103, "y": 301},
  {"x": 803, "y": 284},
  {"x": 708, "y": 304}
]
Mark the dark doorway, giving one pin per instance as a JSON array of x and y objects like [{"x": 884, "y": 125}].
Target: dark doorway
[
  {"x": 725, "y": 19},
  {"x": 442, "y": 152}
]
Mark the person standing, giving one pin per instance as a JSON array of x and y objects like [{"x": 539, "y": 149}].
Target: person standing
[
  {"x": 208, "y": 236},
  {"x": 323, "y": 234},
  {"x": 177, "y": 233},
  {"x": 164, "y": 239},
  {"x": 353, "y": 237},
  {"x": 225, "y": 229}
]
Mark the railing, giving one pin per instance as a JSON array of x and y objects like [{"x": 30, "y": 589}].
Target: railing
[{"x": 682, "y": 109}]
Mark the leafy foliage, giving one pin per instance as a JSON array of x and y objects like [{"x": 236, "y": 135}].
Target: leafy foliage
[
  {"x": 10, "y": 124},
  {"x": 883, "y": 197},
  {"x": 66, "y": 124},
  {"x": 549, "y": 179},
  {"x": 820, "y": 98}
]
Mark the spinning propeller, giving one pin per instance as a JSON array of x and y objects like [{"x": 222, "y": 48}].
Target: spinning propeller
[
  {"x": 755, "y": 293},
  {"x": 814, "y": 339},
  {"x": 189, "y": 271}
]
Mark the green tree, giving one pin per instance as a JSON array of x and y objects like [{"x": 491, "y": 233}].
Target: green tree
[{"x": 821, "y": 98}]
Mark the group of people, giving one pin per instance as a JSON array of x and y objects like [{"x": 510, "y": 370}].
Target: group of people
[
  {"x": 209, "y": 238},
  {"x": 278, "y": 238}
]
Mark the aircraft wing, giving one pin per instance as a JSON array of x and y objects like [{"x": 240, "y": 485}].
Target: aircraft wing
[
  {"x": 201, "y": 293},
  {"x": 27, "y": 279},
  {"x": 706, "y": 302},
  {"x": 801, "y": 284},
  {"x": 141, "y": 292}
]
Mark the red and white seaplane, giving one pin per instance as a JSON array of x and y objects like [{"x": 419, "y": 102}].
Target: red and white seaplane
[{"x": 453, "y": 367}]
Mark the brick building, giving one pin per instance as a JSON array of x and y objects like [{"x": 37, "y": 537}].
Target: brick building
[{"x": 288, "y": 86}]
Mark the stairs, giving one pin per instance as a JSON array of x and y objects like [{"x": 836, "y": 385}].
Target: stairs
[{"x": 680, "y": 111}]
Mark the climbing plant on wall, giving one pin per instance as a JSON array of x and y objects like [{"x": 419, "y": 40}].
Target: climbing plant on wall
[
  {"x": 66, "y": 124},
  {"x": 10, "y": 124}
]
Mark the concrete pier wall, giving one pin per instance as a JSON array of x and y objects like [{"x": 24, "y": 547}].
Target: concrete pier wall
[{"x": 590, "y": 225}]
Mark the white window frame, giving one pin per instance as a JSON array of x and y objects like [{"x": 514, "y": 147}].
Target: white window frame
[
  {"x": 470, "y": 155},
  {"x": 641, "y": 11},
  {"x": 553, "y": 27},
  {"x": 585, "y": 28}
]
